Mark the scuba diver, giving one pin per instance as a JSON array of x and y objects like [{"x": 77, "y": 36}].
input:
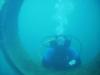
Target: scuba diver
[{"x": 59, "y": 54}]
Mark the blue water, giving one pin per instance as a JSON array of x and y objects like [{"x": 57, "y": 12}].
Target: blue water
[{"x": 36, "y": 22}]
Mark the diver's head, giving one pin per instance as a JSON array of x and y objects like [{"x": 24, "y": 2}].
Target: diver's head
[{"x": 62, "y": 41}]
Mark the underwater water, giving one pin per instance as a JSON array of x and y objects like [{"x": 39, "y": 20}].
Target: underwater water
[{"x": 26, "y": 24}]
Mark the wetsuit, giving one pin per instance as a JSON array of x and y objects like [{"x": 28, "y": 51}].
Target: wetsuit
[{"x": 61, "y": 57}]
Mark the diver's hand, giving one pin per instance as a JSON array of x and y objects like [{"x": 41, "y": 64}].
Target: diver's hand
[{"x": 72, "y": 62}]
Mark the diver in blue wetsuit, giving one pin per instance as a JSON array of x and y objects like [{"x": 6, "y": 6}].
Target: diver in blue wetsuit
[{"x": 59, "y": 55}]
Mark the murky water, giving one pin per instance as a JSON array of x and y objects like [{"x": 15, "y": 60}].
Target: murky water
[{"x": 40, "y": 19}]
